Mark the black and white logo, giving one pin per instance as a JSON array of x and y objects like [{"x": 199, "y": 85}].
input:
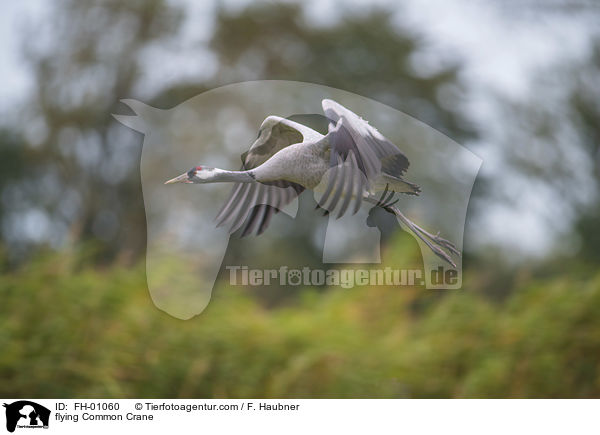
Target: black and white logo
[{"x": 24, "y": 414}]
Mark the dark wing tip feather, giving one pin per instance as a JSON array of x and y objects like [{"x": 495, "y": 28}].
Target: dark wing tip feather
[{"x": 252, "y": 205}]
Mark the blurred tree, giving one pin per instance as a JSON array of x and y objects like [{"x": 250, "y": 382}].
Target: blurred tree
[
  {"x": 90, "y": 58},
  {"x": 553, "y": 148},
  {"x": 586, "y": 102},
  {"x": 85, "y": 57},
  {"x": 362, "y": 53}
]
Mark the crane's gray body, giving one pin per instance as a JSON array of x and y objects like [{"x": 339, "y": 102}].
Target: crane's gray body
[{"x": 304, "y": 163}]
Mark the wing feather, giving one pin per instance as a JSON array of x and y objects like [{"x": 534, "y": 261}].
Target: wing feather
[
  {"x": 357, "y": 134},
  {"x": 255, "y": 203},
  {"x": 253, "y": 218}
]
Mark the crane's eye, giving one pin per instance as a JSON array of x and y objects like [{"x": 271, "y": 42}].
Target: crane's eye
[{"x": 191, "y": 173}]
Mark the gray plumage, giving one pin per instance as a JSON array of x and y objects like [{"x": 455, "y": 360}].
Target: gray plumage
[{"x": 346, "y": 166}]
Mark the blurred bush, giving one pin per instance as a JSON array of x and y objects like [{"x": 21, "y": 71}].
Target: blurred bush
[{"x": 68, "y": 330}]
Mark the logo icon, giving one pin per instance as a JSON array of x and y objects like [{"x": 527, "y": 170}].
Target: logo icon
[
  {"x": 26, "y": 414},
  {"x": 348, "y": 154}
]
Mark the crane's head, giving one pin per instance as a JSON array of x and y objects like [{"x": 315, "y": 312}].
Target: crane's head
[{"x": 196, "y": 175}]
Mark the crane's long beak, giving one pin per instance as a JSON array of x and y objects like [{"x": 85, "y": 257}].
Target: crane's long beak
[{"x": 183, "y": 178}]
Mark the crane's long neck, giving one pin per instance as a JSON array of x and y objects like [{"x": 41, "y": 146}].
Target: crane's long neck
[{"x": 224, "y": 176}]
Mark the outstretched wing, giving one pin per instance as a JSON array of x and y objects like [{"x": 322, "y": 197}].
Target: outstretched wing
[
  {"x": 374, "y": 150},
  {"x": 360, "y": 155},
  {"x": 255, "y": 203},
  {"x": 276, "y": 133}
]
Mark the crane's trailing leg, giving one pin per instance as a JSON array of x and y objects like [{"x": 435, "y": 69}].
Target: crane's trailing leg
[{"x": 433, "y": 242}]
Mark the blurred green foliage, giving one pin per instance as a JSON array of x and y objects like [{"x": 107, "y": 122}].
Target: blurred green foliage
[{"x": 69, "y": 330}]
